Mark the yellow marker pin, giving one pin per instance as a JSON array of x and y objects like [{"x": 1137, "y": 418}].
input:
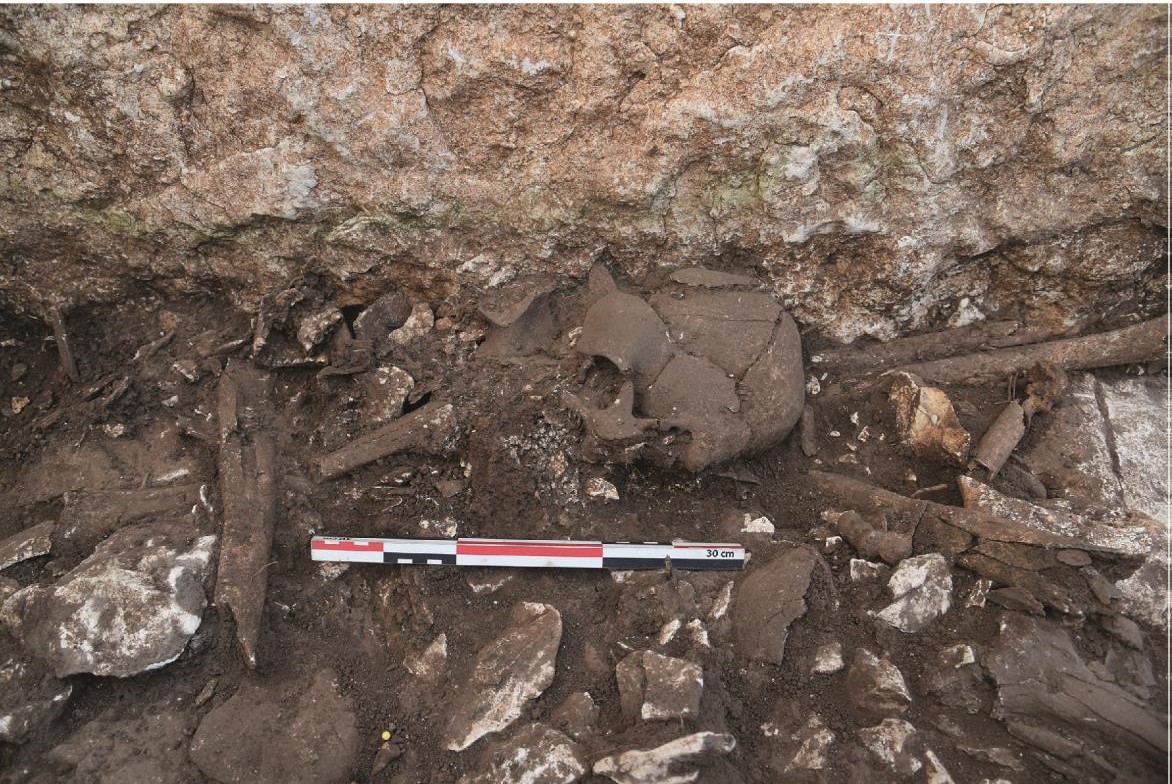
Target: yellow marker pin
[{"x": 386, "y": 735}]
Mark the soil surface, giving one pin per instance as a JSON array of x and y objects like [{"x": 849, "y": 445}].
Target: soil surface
[{"x": 518, "y": 472}]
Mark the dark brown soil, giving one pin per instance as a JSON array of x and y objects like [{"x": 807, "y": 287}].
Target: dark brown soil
[{"x": 522, "y": 476}]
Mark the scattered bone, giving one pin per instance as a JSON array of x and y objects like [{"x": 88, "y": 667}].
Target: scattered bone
[
  {"x": 506, "y": 674},
  {"x": 1083, "y": 533},
  {"x": 876, "y": 685},
  {"x": 64, "y": 350},
  {"x": 1001, "y": 438},
  {"x": 887, "y": 742},
  {"x": 1033, "y": 583},
  {"x": 431, "y": 429},
  {"x": 809, "y": 431},
  {"x": 29, "y": 543},
  {"x": 921, "y": 348},
  {"x": 654, "y": 766},
  {"x": 536, "y": 754},
  {"x": 769, "y": 600},
  {"x": 922, "y": 589},
  {"x": 491, "y": 581},
  {"x": 870, "y": 540},
  {"x": 601, "y": 490},
  {"x": 868, "y": 498},
  {"x": 926, "y": 421},
  {"x": 1136, "y": 344},
  {"x": 248, "y": 489},
  {"x": 19, "y": 404}
]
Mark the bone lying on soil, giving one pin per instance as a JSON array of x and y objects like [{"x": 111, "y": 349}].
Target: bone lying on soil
[
  {"x": 922, "y": 348},
  {"x": 869, "y": 499},
  {"x": 430, "y": 429},
  {"x": 247, "y": 469},
  {"x": 1132, "y": 541},
  {"x": 1140, "y": 343},
  {"x": 64, "y": 350},
  {"x": 1001, "y": 438}
]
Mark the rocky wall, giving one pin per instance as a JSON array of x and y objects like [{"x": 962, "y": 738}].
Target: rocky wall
[{"x": 884, "y": 168}]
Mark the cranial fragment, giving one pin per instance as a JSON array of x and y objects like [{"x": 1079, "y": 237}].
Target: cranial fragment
[{"x": 709, "y": 359}]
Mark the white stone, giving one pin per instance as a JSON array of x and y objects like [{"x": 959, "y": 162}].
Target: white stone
[
  {"x": 935, "y": 771},
  {"x": 669, "y": 630},
  {"x": 863, "y": 571},
  {"x": 600, "y": 489},
  {"x": 757, "y": 525},
  {"x": 653, "y": 766},
  {"x": 886, "y": 741},
  {"x": 828, "y": 658},
  {"x": 130, "y": 607},
  {"x": 816, "y": 739},
  {"x": 720, "y": 605},
  {"x": 922, "y": 589}
]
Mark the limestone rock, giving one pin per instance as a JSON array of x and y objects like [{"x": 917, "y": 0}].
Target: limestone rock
[
  {"x": 296, "y": 733},
  {"x": 535, "y": 754},
  {"x": 653, "y": 687},
  {"x": 576, "y": 715},
  {"x": 29, "y": 543},
  {"x": 888, "y": 741},
  {"x": 130, "y": 607},
  {"x": 922, "y": 589},
  {"x": 827, "y": 658},
  {"x": 29, "y": 698},
  {"x": 815, "y": 740},
  {"x": 507, "y": 673},
  {"x": 768, "y": 601},
  {"x": 661, "y": 765},
  {"x": 1050, "y": 698},
  {"x": 876, "y": 685}
]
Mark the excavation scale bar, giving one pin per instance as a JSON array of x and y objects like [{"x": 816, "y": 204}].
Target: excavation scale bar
[{"x": 524, "y": 552}]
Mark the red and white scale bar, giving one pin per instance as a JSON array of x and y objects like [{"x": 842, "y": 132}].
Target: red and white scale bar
[{"x": 524, "y": 552}]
